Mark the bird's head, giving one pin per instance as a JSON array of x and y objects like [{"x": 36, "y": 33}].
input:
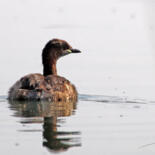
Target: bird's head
[
  {"x": 57, "y": 48},
  {"x": 52, "y": 51}
]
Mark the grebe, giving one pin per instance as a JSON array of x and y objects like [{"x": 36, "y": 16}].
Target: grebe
[{"x": 48, "y": 86}]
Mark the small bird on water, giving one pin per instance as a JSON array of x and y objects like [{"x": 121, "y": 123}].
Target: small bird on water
[{"x": 48, "y": 86}]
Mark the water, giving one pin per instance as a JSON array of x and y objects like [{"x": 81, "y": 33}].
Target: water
[
  {"x": 114, "y": 75},
  {"x": 96, "y": 124}
]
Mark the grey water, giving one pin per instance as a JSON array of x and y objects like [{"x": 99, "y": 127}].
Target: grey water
[
  {"x": 93, "y": 125},
  {"x": 114, "y": 75}
]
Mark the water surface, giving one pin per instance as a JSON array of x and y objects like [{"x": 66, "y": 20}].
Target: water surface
[{"x": 93, "y": 125}]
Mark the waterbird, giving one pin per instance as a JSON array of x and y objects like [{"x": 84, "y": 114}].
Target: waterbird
[{"x": 49, "y": 86}]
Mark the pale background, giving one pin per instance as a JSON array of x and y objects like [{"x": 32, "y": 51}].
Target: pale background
[{"x": 116, "y": 38}]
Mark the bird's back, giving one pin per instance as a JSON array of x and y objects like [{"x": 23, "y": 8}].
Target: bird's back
[{"x": 39, "y": 87}]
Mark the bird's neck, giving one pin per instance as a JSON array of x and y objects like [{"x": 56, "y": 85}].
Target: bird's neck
[{"x": 50, "y": 69}]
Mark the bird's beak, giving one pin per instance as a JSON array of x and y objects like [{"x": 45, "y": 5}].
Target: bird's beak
[
  {"x": 75, "y": 51},
  {"x": 69, "y": 51}
]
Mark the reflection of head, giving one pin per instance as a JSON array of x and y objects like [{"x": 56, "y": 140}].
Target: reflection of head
[
  {"x": 50, "y": 112},
  {"x": 52, "y": 139}
]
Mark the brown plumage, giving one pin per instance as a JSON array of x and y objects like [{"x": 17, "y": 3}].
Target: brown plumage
[{"x": 48, "y": 86}]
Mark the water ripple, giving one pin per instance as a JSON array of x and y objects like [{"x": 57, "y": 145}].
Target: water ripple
[
  {"x": 112, "y": 99},
  {"x": 103, "y": 99}
]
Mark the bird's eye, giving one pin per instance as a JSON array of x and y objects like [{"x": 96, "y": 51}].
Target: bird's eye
[{"x": 65, "y": 47}]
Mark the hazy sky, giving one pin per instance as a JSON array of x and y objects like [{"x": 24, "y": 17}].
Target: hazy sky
[{"x": 116, "y": 37}]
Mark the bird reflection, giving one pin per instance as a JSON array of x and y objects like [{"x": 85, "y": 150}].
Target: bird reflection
[{"x": 53, "y": 139}]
